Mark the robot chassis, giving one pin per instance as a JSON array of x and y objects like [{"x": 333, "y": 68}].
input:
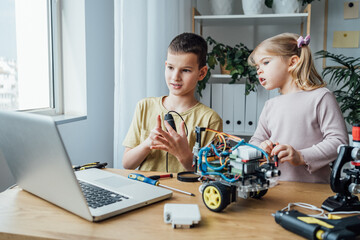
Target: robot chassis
[{"x": 230, "y": 168}]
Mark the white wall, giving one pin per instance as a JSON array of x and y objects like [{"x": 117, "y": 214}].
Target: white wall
[{"x": 91, "y": 139}]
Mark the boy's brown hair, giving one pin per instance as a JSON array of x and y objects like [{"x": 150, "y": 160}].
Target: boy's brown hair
[{"x": 190, "y": 43}]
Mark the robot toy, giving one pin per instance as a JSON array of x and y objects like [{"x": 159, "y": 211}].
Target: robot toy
[{"x": 230, "y": 168}]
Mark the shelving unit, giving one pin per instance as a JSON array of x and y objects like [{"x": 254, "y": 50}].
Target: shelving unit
[
  {"x": 258, "y": 19},
  {"x": 245, "y": 114}
]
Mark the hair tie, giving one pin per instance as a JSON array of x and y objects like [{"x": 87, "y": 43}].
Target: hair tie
[{"x": 303, "y": 41}]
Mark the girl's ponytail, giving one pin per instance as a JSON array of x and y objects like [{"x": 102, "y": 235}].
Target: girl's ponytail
[{"x": 304, "y": 73}]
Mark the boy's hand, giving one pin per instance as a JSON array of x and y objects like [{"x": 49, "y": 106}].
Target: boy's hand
[
  {"x": 133, "y": 157},
  {"x": 155, "y": 133},
  {"x": 174, "y": 143},
  {"x": 288, "y": 153}
]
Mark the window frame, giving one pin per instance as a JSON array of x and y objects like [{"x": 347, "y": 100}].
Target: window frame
[
  {"x": 56, "y": 81},
  {"x": 55, "y": 59},
  {"x": 68, "y": 82}
]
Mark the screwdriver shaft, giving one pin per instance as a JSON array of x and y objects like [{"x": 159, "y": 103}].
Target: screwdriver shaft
[{"x": 177, "y": 190}]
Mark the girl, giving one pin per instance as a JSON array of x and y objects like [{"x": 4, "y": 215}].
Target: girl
[{"x": 304, "y": 125}]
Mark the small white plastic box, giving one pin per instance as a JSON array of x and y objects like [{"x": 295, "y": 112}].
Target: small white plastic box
[{"x": 182, "y": 215}]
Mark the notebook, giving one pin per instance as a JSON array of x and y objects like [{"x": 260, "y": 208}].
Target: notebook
[{"x": 33, "y": 148}]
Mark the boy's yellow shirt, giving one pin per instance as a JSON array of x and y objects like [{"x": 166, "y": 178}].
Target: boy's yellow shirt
[{"x": 144, "y": 121}]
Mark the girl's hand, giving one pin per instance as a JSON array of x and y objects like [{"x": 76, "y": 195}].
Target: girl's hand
[
  {"x": 288, "y": 153},
  {"x": 267, "y": 146}
]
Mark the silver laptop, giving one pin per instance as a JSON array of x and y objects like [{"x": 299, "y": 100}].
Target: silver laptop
[{"x": 33, "y": 148}]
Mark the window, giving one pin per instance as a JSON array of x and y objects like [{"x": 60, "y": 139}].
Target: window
[{"x": 26, "y": 55}]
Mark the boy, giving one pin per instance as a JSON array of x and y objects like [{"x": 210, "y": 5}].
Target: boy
[{"x": 146, "y": 148}]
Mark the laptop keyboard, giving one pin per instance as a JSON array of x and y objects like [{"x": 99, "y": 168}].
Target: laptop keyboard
[{"x": 98, "y": 197}]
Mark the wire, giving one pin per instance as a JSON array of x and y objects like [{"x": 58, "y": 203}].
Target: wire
[
  {"x": 322, "y": 213},
  {"x": 181, "y": 119},
  {"x": 222, "y": 150},
  {"x": 307, "y": 206},
  {"x": 350, "y": 212}
]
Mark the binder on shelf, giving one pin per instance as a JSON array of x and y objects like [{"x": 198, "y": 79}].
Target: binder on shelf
[
  {"x": 262, "y": 97},
  {"x": 228, "y": 107},
  {"x": 217, "y": 97},
  {"x": 206, "y": 95},
  {"x": 250, "y": 112},
  {"x": 239, "y": 109}
]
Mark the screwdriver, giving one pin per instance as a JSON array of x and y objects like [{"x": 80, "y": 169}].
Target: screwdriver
[
  {"x": 142, "y": 178},
  {"x": 156, "y": 177}
]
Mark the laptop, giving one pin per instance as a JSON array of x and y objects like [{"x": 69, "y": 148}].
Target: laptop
[{"x": 33, "y": 148}]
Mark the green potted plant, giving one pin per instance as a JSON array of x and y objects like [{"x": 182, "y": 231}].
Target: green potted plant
[
  {"x": 269, "y": 3},
  {"x": 347, "y": 78},
  {"x": 288, "y": 6},
  {"x": 233, "y": 59}
]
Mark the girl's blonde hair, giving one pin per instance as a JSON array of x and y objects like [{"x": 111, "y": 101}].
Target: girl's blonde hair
[{"x": 285, "y": 45}]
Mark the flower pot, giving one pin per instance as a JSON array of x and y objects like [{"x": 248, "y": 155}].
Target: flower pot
[
  {"x": 286, "y": 6},
  {"x": 223, "y": 69},
  {"x": 252, "y": 7},
  {"x": 222, "y": 7}
]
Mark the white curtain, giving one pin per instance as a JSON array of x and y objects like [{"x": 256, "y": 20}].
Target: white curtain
[{"x": 143, "y": 31}]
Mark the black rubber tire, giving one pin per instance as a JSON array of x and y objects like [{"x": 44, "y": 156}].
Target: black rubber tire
[
  {"x": 216, "y": 196},
  {"x": 259, "y": 194}
]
